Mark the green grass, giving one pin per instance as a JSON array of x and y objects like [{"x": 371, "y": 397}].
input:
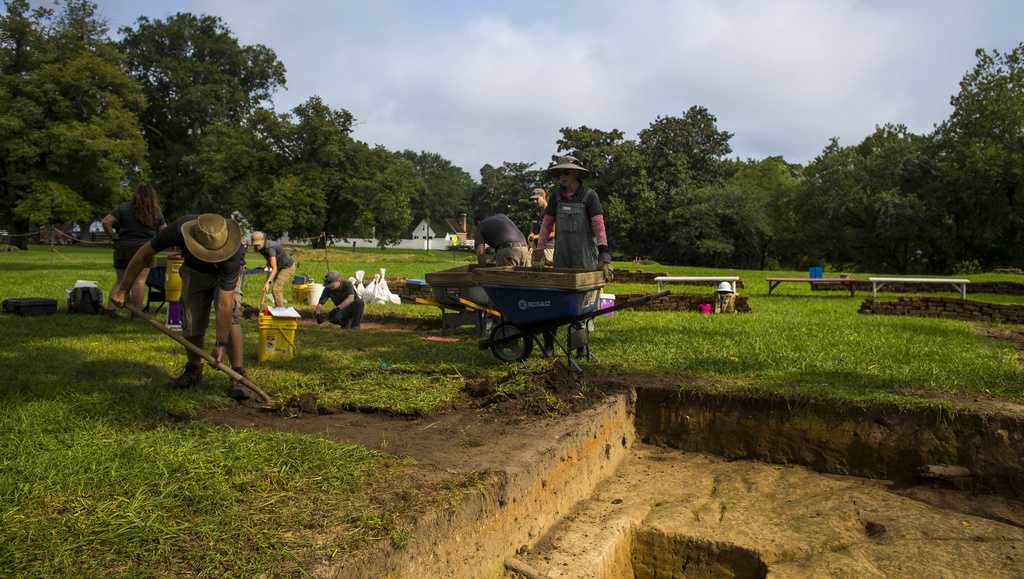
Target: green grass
[{"x": 97, "y": 478}]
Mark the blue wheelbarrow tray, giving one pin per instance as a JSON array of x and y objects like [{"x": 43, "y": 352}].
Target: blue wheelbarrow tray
[{"x": 527, "y": 306}]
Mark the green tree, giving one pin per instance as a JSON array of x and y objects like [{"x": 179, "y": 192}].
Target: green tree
[
  {"x": 982, "y": 159},
  {"x": 506, "y": 189},
  {"x": 70, "y": 141},
  {"x": 687, "y": 150},
  {"x": 195, "y": 75},
  {"x": 448, "y": 189}
]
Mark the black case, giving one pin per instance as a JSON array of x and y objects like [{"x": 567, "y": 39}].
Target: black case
[{"x": 30, "y": 306}]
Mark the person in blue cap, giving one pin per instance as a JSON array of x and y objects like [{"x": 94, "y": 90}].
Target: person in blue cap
[{"x": 348, "y": 306}]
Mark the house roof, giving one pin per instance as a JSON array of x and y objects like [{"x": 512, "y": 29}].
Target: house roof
[{"x": 440, "y": 227}]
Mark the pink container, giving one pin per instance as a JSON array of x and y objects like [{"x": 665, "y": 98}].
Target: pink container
[
  {"x": 704, "y": 308},
  {"x": 606, "y": 301}
]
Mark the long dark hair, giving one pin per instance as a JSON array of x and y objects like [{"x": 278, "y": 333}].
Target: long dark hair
[{"x": 146, "y": 205}]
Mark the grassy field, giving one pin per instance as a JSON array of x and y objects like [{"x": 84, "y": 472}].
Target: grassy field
[{"x": 99, "y": 475}]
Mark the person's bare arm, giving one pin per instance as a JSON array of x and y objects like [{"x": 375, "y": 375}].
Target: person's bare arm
[
  {"x": 108, "y": 224},
  {"x": 139, "y": 261},
  {"x": 346, "y": 302},
  {"x": 481, "y": 253},
  {"x": 546, "y": 227},
  {"x": 272, "y": 262}
]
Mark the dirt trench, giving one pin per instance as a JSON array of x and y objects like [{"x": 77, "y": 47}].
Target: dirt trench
[{"x": 652, "y": 482}]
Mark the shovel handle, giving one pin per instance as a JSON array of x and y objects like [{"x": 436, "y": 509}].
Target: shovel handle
[{"x": 202, "y": 354}]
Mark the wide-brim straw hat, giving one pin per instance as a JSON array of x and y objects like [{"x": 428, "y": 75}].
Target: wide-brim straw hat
[
  {"x": 212, "y": 238},
  {"x": 566, "y": 163}
]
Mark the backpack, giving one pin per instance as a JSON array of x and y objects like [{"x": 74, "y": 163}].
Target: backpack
[{"x": 85, "y": 300}]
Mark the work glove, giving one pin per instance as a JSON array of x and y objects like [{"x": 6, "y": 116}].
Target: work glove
[
  {"x": 537, "y": 260},
  {"x": 605, "y": 259}
]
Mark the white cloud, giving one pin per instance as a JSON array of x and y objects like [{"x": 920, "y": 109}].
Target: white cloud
[{"x": 496, "y": 84}]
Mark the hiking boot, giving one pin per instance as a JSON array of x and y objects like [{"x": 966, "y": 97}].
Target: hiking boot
[
  {"x": 237, "y": 390},
  {"x": 190, "y": 378}
]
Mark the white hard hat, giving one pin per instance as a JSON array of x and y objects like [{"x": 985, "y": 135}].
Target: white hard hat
[{"x": 725, "y": 287}]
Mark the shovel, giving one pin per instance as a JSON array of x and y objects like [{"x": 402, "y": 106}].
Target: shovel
[{"x": 263, "y": 396}]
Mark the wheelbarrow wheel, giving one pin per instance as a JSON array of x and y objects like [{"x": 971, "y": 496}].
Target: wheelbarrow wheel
[{"x": 514, "y": 350}]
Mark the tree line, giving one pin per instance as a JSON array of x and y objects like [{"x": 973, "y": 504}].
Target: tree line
[
  {"x": 182, "y": 104},
  {"x": 949, "y": 200}
]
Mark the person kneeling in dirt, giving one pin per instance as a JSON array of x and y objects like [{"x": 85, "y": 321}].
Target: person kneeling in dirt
[
  {"x": 348, "y": 306},
  {"x": 211, "y": 275},
  {"x": 725, "y": 299},
  {"x": 508, "y": 242}
]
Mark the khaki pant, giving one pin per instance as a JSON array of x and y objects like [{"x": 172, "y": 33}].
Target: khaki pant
[
  {"x": 516, "y": 256},
  {"x": 198, "y": 295},
  {"x": 280, "y": 281}
]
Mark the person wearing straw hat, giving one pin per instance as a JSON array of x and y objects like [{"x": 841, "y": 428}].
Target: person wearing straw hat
[
  {"x": 282, "y": 266},
  {"x": 210, "y": 276},
  {"x": 582, "y": 241},
  {"x": 539, "y": 198}
]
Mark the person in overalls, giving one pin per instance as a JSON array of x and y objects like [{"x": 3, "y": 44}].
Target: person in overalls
[{"x": 582, "y": 242}]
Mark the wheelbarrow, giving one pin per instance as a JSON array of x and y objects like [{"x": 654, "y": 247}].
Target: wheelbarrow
[{"x": 528, "y": 313}]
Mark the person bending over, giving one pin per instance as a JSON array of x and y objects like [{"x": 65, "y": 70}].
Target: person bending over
[{"x": 348, "y": 306}]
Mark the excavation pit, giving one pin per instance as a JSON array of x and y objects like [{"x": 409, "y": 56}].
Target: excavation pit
[{"x": 658, "y": 482}]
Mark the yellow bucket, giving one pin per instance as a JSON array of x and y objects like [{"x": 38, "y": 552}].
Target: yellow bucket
[
  {"x": 300, "y": 292},
  {"x": 277, "y": 338},
  {"x": 172, "y": 279}
]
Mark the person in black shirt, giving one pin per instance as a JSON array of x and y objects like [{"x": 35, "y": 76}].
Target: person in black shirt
[
  {"x": 282, "y": 266},
  {"x": 136, "y": 222},
  {"x": 508, "y": 242},
  {"x": 348, "y": 306},
  {"x": 210, "y": 275}
]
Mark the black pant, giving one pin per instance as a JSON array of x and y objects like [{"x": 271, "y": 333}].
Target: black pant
[{"x": 349, "y": 317}]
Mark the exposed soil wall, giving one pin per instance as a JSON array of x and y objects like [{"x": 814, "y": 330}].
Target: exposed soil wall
[
  {"x": 682, "y": 303},
  {"x": 954, "y": 308},
  {"x": 878, "y": 442},
  {"x": 519, "y": 504},
  {"x": 984, "y": 287}
]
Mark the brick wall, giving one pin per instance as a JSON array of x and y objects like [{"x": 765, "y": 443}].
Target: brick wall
[
  {"x": 983, "y": 287},
  {"x": 627, "y": 276},
  {"x": 957, "y": 309},
  {"x": 400, "y": 287},
  {"x": 681, "y": 303}
]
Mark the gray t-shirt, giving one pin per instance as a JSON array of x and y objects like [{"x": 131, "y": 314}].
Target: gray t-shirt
[
  {"x": 272, "y": 248},
  {"x": 498, "y": 231}
]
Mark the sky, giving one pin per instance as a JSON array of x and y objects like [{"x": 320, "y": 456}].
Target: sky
[{"x": 486, "y": 82}]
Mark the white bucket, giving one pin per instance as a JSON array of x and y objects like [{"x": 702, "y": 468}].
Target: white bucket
[{"x": 315, "y": 291}]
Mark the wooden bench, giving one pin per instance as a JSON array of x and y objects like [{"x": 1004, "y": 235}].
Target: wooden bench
[
  {"x": 880, "y": 282},
  {"x": 715, "y": 279},
  {"x": 773, "y": 282}
]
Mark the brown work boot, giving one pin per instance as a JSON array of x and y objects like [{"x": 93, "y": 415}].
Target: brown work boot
[
  {"x": 190, "y": 378},
  {"x": 237, "y": 390}
]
